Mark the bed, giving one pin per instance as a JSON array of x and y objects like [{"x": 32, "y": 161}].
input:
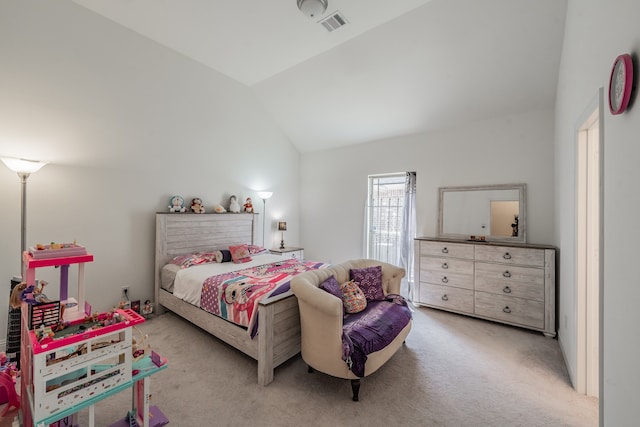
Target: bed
[{"x": 276, "y": 337}]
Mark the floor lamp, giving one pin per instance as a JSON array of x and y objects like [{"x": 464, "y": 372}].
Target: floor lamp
[
  {"x": 23, "y": 168},
  {"x": 14, "y": 323},
  {"x": 264, "y": 195}
]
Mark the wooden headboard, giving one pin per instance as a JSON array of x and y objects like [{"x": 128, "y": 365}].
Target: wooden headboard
[{"x": 183, "y": 233}]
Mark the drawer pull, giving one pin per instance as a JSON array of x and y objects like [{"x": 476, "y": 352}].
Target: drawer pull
[
  {"x": 445, "y": 265},
  {"x": 506, "y": 274},
  {"x": 445, "y": 250},
  {"x": 506, "y": 255},
  {"x": 506, "y": 309},
  {"x": 506, "y": 290},
  {"x": 445, "y": 297},
  {"x": 445, "y": 279}
]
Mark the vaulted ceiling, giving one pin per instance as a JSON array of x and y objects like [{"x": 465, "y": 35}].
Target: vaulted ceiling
[{"x": 397, "y": 66}]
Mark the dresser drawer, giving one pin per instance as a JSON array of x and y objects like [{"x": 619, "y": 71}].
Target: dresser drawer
[
  {"x": 508, "y": 255},
  {"x": 447, "y": 271},
  {"x": 510, "y": 309},
  {"x": 446, "y": 249},
  {"x": 510, "y": 280},
  {"x": 446, "y": 297},
  {"x": 295, "y": 254}
]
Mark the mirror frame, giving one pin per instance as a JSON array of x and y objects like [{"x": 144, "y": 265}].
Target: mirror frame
[{"x": 522, "y": 223}]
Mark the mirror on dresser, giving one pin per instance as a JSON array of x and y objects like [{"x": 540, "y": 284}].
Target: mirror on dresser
[{"x": 489, "y": 212}]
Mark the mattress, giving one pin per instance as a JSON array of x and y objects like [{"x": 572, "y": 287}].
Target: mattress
[{"x": 193, "y": 277}]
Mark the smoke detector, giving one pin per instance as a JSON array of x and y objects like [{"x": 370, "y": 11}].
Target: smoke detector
[{"x": 312, "y": 8}]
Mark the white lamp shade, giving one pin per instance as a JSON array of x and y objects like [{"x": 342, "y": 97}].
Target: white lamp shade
[
  {"x": 264, "y": 195},
  {"x": 23, "y": 165},
  {"x": 312, "y": 8}
]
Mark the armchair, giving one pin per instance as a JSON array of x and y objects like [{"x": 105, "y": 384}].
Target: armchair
[{"x": 321, "y": 320}]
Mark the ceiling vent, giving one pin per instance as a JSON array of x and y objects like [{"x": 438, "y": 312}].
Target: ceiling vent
[{"x": 334, "y": 21}]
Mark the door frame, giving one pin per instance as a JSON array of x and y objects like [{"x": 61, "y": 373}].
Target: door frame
[{"x": 589, "y": 248}]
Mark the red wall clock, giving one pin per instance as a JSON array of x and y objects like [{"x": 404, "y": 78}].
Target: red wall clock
[{"x": 620, "y": 84}]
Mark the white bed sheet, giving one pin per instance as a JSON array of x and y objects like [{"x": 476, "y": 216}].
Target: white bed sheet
[{"x": 188, "y": 282}]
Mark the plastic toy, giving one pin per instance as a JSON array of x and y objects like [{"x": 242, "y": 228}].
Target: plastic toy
[{"x": 8, "y": 377}]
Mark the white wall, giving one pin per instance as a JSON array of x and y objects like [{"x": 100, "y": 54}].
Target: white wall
[
  {"x": 596, "y": 32},
  {"x": 125, "y": 123},
  {"x": 514, "y": 149}
]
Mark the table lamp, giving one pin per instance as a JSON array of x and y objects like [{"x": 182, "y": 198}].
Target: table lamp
[{"x": 282, "y": 226}]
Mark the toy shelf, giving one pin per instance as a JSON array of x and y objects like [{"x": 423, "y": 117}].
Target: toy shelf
[
  {"x": 63, "y": 372},
  {"x": 76, "y": 367},
  {"x": 144, "y": 415},
  {"x": 81, "y": 307}
]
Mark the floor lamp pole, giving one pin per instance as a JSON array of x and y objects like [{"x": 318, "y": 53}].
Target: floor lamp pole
[
  {"x": 264, "y": 218},
  {"x": 23, "y": 168},
  {"x": 23, "y": 220},
  {"x": 264, "y": 195}
]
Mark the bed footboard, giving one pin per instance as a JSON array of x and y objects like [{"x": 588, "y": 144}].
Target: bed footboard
[{"x": 278, "y": 336}]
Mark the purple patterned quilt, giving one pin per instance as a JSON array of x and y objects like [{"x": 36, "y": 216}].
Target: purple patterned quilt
[
  {"x": 372, "y": 329},
  {"x": 235, "y": 296}
]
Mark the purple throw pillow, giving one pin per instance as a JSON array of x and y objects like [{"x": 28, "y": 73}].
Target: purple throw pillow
[
  {"x": 332, "y": 286},
  {"x": 369, "y": 279}
]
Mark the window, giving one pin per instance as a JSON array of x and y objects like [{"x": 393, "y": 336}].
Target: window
[{"x": 385, "y": 212}]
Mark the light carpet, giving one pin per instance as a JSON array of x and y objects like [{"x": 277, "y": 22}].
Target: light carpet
[{"x": 452, "y": 371}]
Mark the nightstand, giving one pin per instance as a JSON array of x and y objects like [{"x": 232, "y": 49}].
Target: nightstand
[{"x": 289, "y": 253}]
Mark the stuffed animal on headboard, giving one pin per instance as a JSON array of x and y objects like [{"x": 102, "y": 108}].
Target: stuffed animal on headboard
[
  {"x": 234, "y": 206},
  {"x": 248, "y": 206},
  {"x": 196, "y": 205},
  {"x": 177, "y": 204}
]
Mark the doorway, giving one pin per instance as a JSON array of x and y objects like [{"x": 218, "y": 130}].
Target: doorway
[{"x": 589, "y": 223}]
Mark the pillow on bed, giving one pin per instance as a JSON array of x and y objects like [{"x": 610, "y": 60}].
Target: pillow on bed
[
  {"x": 178, "y": 260},
  {"x": 257, "y": 250},
  {"x": 353, "y": 300},
  {"x": 223, "y": 255},
  {"x": 198, "y": 258},
  {"x": 240, "y": 253},
  {"x": 369, "y": 279},
  {"x": 332, "y": 286}
]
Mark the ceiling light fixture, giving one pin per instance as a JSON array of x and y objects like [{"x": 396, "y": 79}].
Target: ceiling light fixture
[{"x": 312, "y": 8}]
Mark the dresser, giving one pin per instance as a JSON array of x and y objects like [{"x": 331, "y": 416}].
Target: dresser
[{"x": 512, "y": 283}]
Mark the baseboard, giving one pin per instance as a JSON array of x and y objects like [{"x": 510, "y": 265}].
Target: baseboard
[{"x": 567, "y": 365}]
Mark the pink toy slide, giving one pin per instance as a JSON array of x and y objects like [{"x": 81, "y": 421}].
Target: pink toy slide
[{"x": 7, "y": 385}]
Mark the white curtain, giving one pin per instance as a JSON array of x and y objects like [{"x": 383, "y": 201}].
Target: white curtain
[{"x": 409, "y": 229}]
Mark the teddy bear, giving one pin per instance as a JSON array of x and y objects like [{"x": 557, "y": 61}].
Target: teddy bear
[
  {"x": 177, "y": 204},
  {"x": 234, "y": 206},
  {"x": 196, "y": 205},
  {"x": 219, "y": 209},
  {"x": 248, "y": 206}
]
